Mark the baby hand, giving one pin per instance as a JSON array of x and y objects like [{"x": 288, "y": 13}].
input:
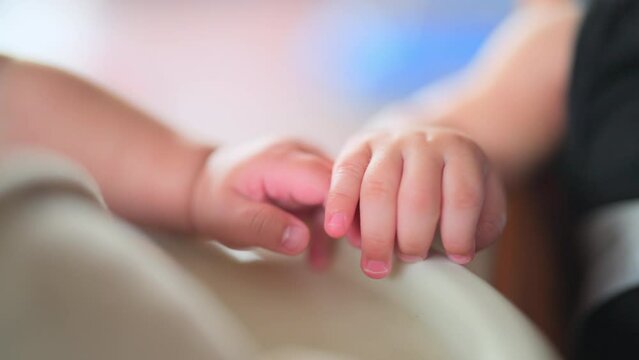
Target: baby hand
[
  {"x": 407, "y": 183},
  {"x": 258, "y": 195}
]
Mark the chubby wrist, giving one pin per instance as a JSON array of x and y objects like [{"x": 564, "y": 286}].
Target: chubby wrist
[{"x": 164, "y": 198}]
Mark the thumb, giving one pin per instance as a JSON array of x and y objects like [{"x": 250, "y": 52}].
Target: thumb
[{"x": 267, "y": 226}]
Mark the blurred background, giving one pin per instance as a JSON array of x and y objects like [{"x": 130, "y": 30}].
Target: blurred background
[
  {"x": 227, "y": 71},
  {"x": 232, "y": 70}
]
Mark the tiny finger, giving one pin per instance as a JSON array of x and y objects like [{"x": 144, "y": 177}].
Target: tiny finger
[
  {"x": 344, "y": 191},
  {"x": 463, "y": 197}
]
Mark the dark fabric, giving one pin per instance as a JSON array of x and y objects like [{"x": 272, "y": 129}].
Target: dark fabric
[
  {"x": 601, "y": 157},
  {"x": 612, "y": 330}
]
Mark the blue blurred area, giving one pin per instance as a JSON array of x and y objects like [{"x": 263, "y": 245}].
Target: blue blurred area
[
  {"x": 393, "y": 60},
  {"x": 381, "y": 53}
]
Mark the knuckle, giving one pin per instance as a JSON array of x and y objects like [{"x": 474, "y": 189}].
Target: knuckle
[
  {"x": 455, "y": 138},
  {"x": 340, "y": 196},
  {"x": 416, "y": 198},
  {"x": 391, "y": 148},
  {"x": 350, "y": 169},
  {"x": 466, "y": 198},
  {"x": 433, "y": 158},
  {"x": 475, "y": 149},
  {"x": 375, "y": 188},
  {"x": 459, "y": 145},
  {"x": 375, "y": 243},
  {"x": 259, "y": 220},
  {"x": 477, "y": 153},
  {"x": 414, "y": 139},
  {"x": 438, "y": 137},
  {"x": 462, "y": 144}
]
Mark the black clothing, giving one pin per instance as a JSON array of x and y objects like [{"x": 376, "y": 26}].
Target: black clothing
[
  {"x": 602, "y": 150},
  {"x": 601, "y": 157},
  {"x": 610, "y": 331}
]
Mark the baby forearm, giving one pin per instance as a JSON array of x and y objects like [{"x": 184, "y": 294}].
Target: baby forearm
[
  {"x": 145, "y": 170},
  {"x": 512, "y": 98}
]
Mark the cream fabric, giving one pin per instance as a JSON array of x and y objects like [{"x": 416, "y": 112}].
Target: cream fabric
[{"x": 75, "y": 283}]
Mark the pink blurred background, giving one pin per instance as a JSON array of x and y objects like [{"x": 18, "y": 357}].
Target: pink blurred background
[{"x": 226, "y": 71}]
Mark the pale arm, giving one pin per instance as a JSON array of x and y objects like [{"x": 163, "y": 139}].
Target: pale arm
[
  {"x": 144, "y": 169},
  {"x": 512, "y": 99}
]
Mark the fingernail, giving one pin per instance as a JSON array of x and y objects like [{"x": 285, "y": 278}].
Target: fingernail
[
  {"x": 410, "y": 258},
  {"x": 337, "y": 222},
  {"x": 460, "y": 259},
  {"x": 375, "y": 268},
  {"x": 293, "y": 238}
]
